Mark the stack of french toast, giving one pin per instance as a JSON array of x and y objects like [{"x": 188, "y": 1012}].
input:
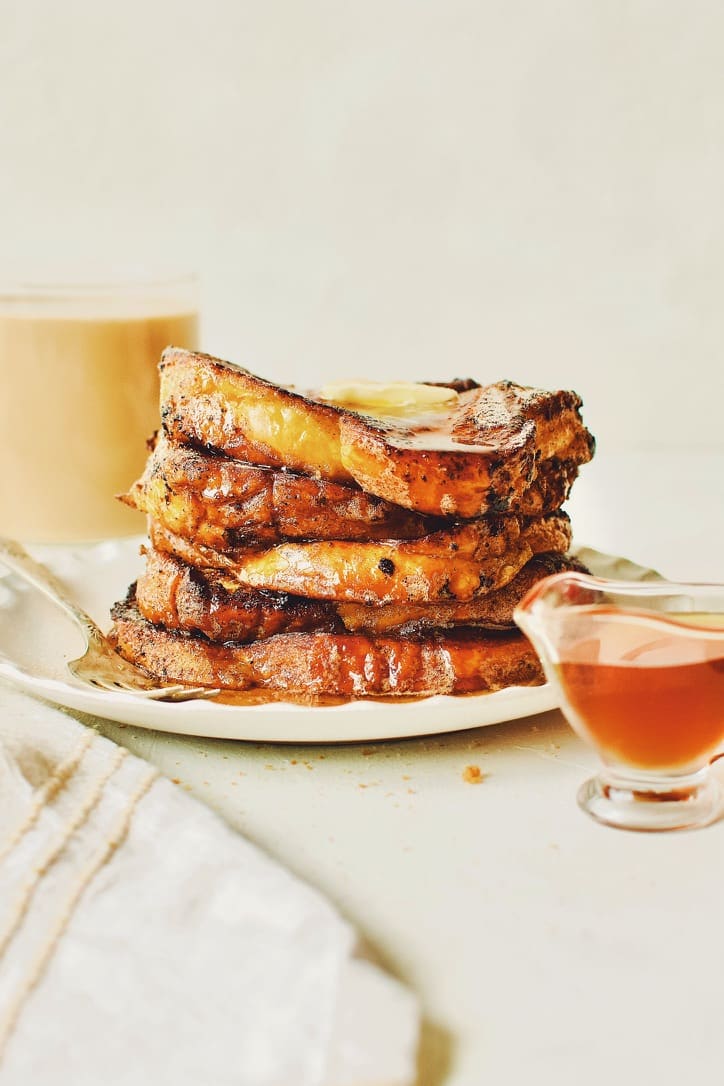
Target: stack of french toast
[{"x": 365, "y": 540}]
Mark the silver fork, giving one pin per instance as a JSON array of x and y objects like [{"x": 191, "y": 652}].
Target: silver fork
[{"x": 100, "y": 665}]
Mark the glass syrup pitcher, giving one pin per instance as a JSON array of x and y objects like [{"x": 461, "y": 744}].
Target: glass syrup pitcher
[{"x": 639, "y": 669}]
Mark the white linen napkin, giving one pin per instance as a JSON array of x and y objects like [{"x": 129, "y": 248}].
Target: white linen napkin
[{"x": 144, "y": 941}]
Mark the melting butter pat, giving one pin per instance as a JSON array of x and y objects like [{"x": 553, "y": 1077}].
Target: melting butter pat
[{"x": 388, "y": 394}]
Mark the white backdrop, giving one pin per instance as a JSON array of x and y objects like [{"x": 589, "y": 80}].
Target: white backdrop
[{"x": 522, "y": 188}]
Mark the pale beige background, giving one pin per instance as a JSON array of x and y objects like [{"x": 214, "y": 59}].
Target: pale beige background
[{"x": 530, "y": 189}]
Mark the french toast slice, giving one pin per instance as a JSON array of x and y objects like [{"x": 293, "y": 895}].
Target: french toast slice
[
  {"x": 224, "y": 503},
  {"x": 310, "y": 665},
  {"x": 172, "y": 594},
  {"x": 467, "y": 561},
  {"x": 479, "y": 456}
]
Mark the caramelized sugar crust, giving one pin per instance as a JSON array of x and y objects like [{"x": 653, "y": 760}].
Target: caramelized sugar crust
[
  {"x": 180, "y": 597},
  {"x": 461, "y": 564},
  {"x": 480, "y": 456},
  {"x": 320, "y": 663}
]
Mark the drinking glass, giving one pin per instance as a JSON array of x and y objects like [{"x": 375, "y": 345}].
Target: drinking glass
[
  {"x": 79, "y": 398},
  {"x": 639, "y": 669}
]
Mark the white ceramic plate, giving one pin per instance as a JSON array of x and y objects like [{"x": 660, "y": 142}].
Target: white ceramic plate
[{"x": 36, "y": 640}]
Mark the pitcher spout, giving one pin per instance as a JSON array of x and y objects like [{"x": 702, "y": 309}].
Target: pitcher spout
[{"x": 541, "y": 615}]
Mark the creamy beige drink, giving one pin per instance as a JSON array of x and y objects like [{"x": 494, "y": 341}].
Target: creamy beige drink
[{"x": 78, "y": 398}]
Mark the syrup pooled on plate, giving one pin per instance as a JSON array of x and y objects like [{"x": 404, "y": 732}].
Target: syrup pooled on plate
[{"x": 647, "y": 689}]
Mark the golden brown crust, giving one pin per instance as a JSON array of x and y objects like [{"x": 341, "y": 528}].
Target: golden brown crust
[
  {"x": 342, "y": 665},
  {"x": 215, "y": 404},
  {"x": 460, "y": 564},
  {"x": 479, "y": 457},
  {"x": 494, "y": 446},
  {"x": 493, "y": 610},
  {"x": 173, "y": 594},
  {"x": 223, "y": 503}
]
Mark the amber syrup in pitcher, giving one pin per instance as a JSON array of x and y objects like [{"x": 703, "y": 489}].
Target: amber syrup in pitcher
[{"x": 648, "y": 690}]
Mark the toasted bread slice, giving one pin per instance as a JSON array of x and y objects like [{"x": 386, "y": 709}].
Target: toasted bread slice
[
  {"x": 459, "y": 564},
  {"x": 330, "y": 664},
  {"x": 480, "y": 456},
  {"x": 173, "y": 594},
  {"x": 224, "y": 503}
]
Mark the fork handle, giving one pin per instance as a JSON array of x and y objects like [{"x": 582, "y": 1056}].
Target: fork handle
[{"x": 16, "y": 558}]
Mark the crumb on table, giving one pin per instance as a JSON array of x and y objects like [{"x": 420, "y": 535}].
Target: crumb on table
[{"x": 472, "y": 774}]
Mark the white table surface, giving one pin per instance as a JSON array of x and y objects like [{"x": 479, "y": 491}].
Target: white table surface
[{"x": 544, "y": 948}]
